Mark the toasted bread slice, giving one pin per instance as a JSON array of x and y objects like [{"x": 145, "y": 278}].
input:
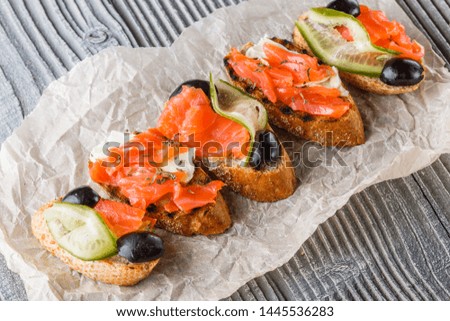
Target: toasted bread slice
[
  {"x": 114, "y": 270},
  {"x": 207, "y": 220},
  {"x": 373, "y": 85},
  {"x": 345, "y": 131},
  {"x": 269, "y": 184}
]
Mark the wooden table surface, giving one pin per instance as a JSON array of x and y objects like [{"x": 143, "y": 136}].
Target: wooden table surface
[{"x": 389, "y": 242}]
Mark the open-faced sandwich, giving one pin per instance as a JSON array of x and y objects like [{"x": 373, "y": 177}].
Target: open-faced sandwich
[
  {"x": 105, "y": 240},
  {"x": 232, "y": 138},
  {"x": 157, "y": 175},
  {"x": 301, "y": 95},
  {"x": 371, "y": 51}
]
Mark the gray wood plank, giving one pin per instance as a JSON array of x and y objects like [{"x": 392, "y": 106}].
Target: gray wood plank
[
  {"x": 28, "y": 51},
  {"x": 36, "y": 29},
  {"x": 12, "y": 115},
  {"x": 18, "y": 81},
  {"x": 11, "y": 284},
  {"x": 375, "y": 248},
  {"x": 433, "y": 26},
  {"x": 434, "y": 183},
  {"x": 390, "y": 242}
]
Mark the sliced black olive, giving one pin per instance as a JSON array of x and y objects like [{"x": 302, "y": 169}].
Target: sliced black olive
[
  {"x": 256, "y": 159},
  {"x": 350, "y": 7},
  {"x": 83, "y": 195},
  {"x": 271, "y": 147},
  {"x": 266, "y": 150},
  {"x": 402, "y": 72},
  {"x": 140, "y": 247},
  {"x": 196, "y": 83}
]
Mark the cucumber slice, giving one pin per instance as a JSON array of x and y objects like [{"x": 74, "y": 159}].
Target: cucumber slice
[
  {"x": 358, "y": 57},
  {"x": 235, "y": 104},
  {"x": 80, "y": 231}
]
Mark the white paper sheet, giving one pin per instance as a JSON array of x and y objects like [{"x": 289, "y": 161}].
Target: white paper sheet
[{"x": 123, "y": 88}]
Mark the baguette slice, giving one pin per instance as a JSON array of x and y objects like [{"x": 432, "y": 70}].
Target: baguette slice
[
  {"x": 114, "y": 270},
  {"x": 345, "y": 131},
  {"x": 372, "y": 85},
  {"x": 207, "y": 220},
  {"x": 265, "y": 185}
]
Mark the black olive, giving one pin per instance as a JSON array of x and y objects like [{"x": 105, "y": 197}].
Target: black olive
[
  {"x": 402, "y": 72},
  {"x": 256, "y": 159},
  {"x": 350, "y": 7},
  {"x": 196, "y": 83},
  {"x": 266, "y": 150},
  {"x": 140, "y": 247},
  {"x": 271, "y": 147},
  {"x": 83, "y": 195}
]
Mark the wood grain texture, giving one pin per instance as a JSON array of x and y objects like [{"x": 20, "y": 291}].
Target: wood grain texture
[{"x": 390, "y": 242}]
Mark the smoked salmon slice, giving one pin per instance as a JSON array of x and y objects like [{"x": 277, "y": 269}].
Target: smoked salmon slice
[
  {"x": 286, "y": 76},
  {"x": 121, "y": 218},
  {"x": 140, "y": 176},
  {"x": 190, "y": 119},
  {"x": 389, "y": 34}
]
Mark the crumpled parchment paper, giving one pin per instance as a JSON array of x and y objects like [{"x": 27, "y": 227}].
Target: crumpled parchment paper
[{"x": 123, "y": 88}]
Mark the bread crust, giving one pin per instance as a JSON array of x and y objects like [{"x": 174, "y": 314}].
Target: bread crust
[
  {"x": 210, "y": 219},
  {"x": 114, "y": 270},
  {"x": 345, "y": 131},
  {"x": 372, "y": 85}
]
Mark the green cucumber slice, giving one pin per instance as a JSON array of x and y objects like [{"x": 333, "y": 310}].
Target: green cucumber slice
[
  {"x": 359, "y": 57},
  {"x": 80, "y": 231},
  {"x": 235, "y": 104}
]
